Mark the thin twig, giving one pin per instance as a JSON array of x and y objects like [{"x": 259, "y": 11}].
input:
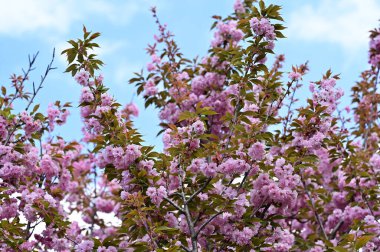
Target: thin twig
[
  {"x": 244, "y": 179},
  {"x": 26, "y": 75},
  {"x": 35, "y": 91},
  {"x": 43, "y": 77},
  {"x": 288, "y": 116},
  {"x": 314, "y": 209},
  {"x": 68, "y": 238}
]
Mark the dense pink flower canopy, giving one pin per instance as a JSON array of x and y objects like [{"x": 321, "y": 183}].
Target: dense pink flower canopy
[{"x": 245, "y": 167}]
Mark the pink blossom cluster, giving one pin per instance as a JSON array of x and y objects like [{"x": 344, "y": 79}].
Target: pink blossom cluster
[
  {"x": 3, "y": 127},
  {"x": 375, "y": 162},
  {"x": 15, "y": 166},
  {"x": 262, "y": 27},
  {"x": 151, "y": 66},
  {"x": 347, "y": 215},
  {"x": 86, "y": 95},
  {"x": 130, "y": 110},
  {"x": 233, "y": 166},
  {"x": 156, "y": 194},
  {"x": 295, "y": 76},
  {"x": 266, "y": 189},
  {"x": 103, "y": 205},
  {"x": 31, "y": 125},
  {"x": 373, "y": 227},
  {"x": 121, "y": 158},
  {"x": 327, "y": 95},
  {"x": 56, "y": 116},
  {"x": 82, "y": 78},
  {"x": 239, "y": 7},
  {"x": 374, "y": 50},
  {"x": 227, "y": 33},
  {"x": 150, "y": 88},
  {"x": 210, "y": 80},
  {"x": 201, "y": 166},
  {"x": 282, "y": 240},
  {"x": 228, "y": 178},
  {"x": 257, "y": 151}
]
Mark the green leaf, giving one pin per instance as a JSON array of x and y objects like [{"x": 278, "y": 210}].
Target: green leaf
[
  {"x": 362, "y": 240},
  {"x": 165, "y": 229},
  {"x": 186, "y": 115},
  {"x": 35, "y": 108},
  {"x": 339, "y": 249}
]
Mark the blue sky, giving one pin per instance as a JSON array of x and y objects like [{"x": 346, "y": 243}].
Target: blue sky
[{"x": 329, "y": 33}]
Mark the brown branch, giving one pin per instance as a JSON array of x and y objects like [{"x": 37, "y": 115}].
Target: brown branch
[
  {"x": 318, "y": 219},
  {"x": 372, "y": 111},
  {"x": 185, "y": 248},
  {"x": 335, "y": 230},
  {"x": 26, "y": 74},
  {"x": 199, "y": 190},
  {"x": 43, "y": 77},
  {"x": 174, "y": 204},
  {"x": 207, "y": 222}
]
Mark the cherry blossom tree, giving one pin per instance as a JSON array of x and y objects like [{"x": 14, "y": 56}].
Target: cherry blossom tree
[{"x": 245, "y": 167}]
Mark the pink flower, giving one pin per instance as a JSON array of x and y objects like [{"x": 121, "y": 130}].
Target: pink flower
[
  {"x": 155, "y": 59},
  {"x": 238, "y": 7},
  {"x": 374, "y": 51},
  {"x": 150, "y": 88},
  {"x": 233, "y": 166},
  {"x": 85, "y": 246},
  {"x": 257, "y": 151},
  {"x": 262, "y": 27},
  {"x": 198, "y": 127},
  {"x": 49, "y": 167},
  {"x": 86, "y": 95},
  {"x": 156, "y": 195},
  {"x": 27, "y": 245},
  {"x": 203, "y": 196},
  {"x": 243, "y": 237},
  {"x": 171, "y": 219},
  {"x": 294, "y": 76},
  {"x": 151, "y": 67},
  {"x": 131, "y": 109},
  {"x": 82, "y": 78},
  {"x": 227, "y": 32},
  {"x": 183, "y": 76},
  {"x": 104, "y": 205},
  {"x": 375, "y": 162}
]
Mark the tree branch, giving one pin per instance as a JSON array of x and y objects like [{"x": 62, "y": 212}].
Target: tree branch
[
  {"x": 207, "y": 222},
  {"x": 372, "y": 110},
  {"x": 314, "y": 209},
  {"x": 189, "y": 220},
  {"x": 185, "y": 248},
  {"x": 199, "y": 190},
  {"x": 43, "y": 77},
  {"x": 336, "y": 228},
  {"x": 174, "y": 204},
  {"x": 26, "y": 74}
]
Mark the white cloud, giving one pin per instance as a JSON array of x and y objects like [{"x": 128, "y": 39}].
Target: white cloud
[
  {"x": 20, "y": 16},
  {"x": 124, "y": 71},
  {"x": 109, "y": 47},
  {"x": 343, "y": 22},
  {"x": 55, "y": 17}
]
